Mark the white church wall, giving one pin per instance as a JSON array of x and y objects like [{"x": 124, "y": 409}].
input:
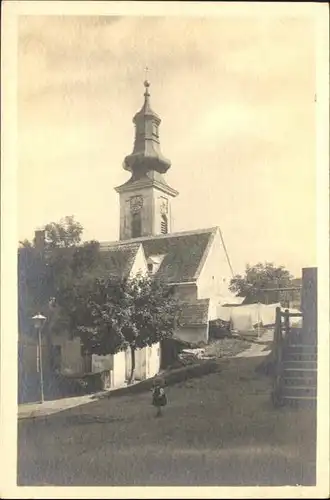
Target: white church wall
[
  {"x": 215, "y": 275},
  {"x": 213, "y": 309}
]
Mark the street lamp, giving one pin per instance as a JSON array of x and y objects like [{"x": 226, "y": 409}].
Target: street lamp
[{"x": 38, "y": 321}]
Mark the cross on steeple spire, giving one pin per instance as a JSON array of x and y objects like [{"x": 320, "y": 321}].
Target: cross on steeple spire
[
  {"x": 146, "y": 84},
  {"x": 146, "y": 72}
]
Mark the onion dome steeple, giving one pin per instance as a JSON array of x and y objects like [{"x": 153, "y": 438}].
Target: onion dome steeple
[
  {"x": 145, "y": 199},
  {"x": 146, "y": 155}
]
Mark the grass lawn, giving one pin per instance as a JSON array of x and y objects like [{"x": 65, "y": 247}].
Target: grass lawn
[{"x": 218, "y": 430}]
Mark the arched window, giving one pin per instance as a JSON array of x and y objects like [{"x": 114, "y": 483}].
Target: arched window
[
  {"x": 136, "y": 225},
  {"x": 163, "y": 224}
]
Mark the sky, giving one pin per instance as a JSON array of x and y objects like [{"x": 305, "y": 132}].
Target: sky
[{"x": 237, "y": 101}]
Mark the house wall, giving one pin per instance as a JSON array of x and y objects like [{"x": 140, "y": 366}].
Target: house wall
[
  {"x": 193, "y": 335},
  {"x": 128, "y": 361},
  {"x": 118, "y": 374},
  {"x": 71, "y": 358},
  {"x": 152, "y": 360},
  {"x": 140, "y": 364},
  {"x": 101, "y": 363},
  {"x": 214, "y": 278},
  {"x": 147, "y": 361},
  {"x": 27, "y": 355}
]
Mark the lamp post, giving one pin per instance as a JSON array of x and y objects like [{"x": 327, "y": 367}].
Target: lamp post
[{"x": 38, "y": 321}]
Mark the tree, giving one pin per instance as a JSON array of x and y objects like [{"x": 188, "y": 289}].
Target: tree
[
  {"x": 259, "y": 277},
  {"x": 25, "y": 244},
  {"x": 63, "y": 234},
  {"x": 57, "y": 272},
  {"x": 74, "y": 272},
  {"x": 127, "y": 313},
  {"x": 34, "y": 285}
]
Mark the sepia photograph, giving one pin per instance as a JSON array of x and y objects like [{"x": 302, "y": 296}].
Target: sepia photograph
[{"x": 169, "y": 277}]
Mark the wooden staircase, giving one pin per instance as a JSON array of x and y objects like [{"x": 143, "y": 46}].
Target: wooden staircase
[
  {"x": 295, "y": 381},
  {"x": 299, "y": 374}
]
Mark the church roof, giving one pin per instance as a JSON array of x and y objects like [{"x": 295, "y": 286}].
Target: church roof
[
  {"x": 184, "y": 252},
  {"x": 195, "y": 313}
]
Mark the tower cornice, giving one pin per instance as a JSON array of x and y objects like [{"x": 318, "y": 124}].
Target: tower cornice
[{"x": 132, "y": 185}]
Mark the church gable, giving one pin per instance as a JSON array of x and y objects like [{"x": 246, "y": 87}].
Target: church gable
[
  {"x": 215, "y": 272},
  {"x": 139, "y": 265}
]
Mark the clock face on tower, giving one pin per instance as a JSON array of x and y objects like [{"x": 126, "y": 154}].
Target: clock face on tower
[{"x": 136, "y": 203}]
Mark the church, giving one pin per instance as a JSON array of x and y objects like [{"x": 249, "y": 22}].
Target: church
[{"x": 195, "y": 262}]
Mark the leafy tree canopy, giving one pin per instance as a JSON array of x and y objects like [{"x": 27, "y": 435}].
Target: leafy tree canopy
[
  {"x": 259, "y": 277},
  {"x": 63, "y": 234},
  {"x": 122, "y": 313},
  {"x": 109, "y": 314},
  {"x": 64, "y": 266}
]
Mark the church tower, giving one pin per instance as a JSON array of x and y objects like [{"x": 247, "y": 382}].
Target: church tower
[{"x": 145, "y": 199}]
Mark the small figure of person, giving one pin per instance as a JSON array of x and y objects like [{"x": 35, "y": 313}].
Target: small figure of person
[{"x": 159, "y": 398}]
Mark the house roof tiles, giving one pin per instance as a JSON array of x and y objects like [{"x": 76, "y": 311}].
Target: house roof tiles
[{"x": 119, "y": 259}]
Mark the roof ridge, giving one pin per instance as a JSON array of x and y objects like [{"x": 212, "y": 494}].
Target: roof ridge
[
  {"x": 116, "y": 244},
  {"x": 160, "y": 236}
]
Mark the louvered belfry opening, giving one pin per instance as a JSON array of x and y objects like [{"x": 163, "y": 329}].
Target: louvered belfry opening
[{"x": 164, "y": 224}]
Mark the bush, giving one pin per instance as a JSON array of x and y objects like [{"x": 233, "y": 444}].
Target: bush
[{"x": 219, "y": 329}]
